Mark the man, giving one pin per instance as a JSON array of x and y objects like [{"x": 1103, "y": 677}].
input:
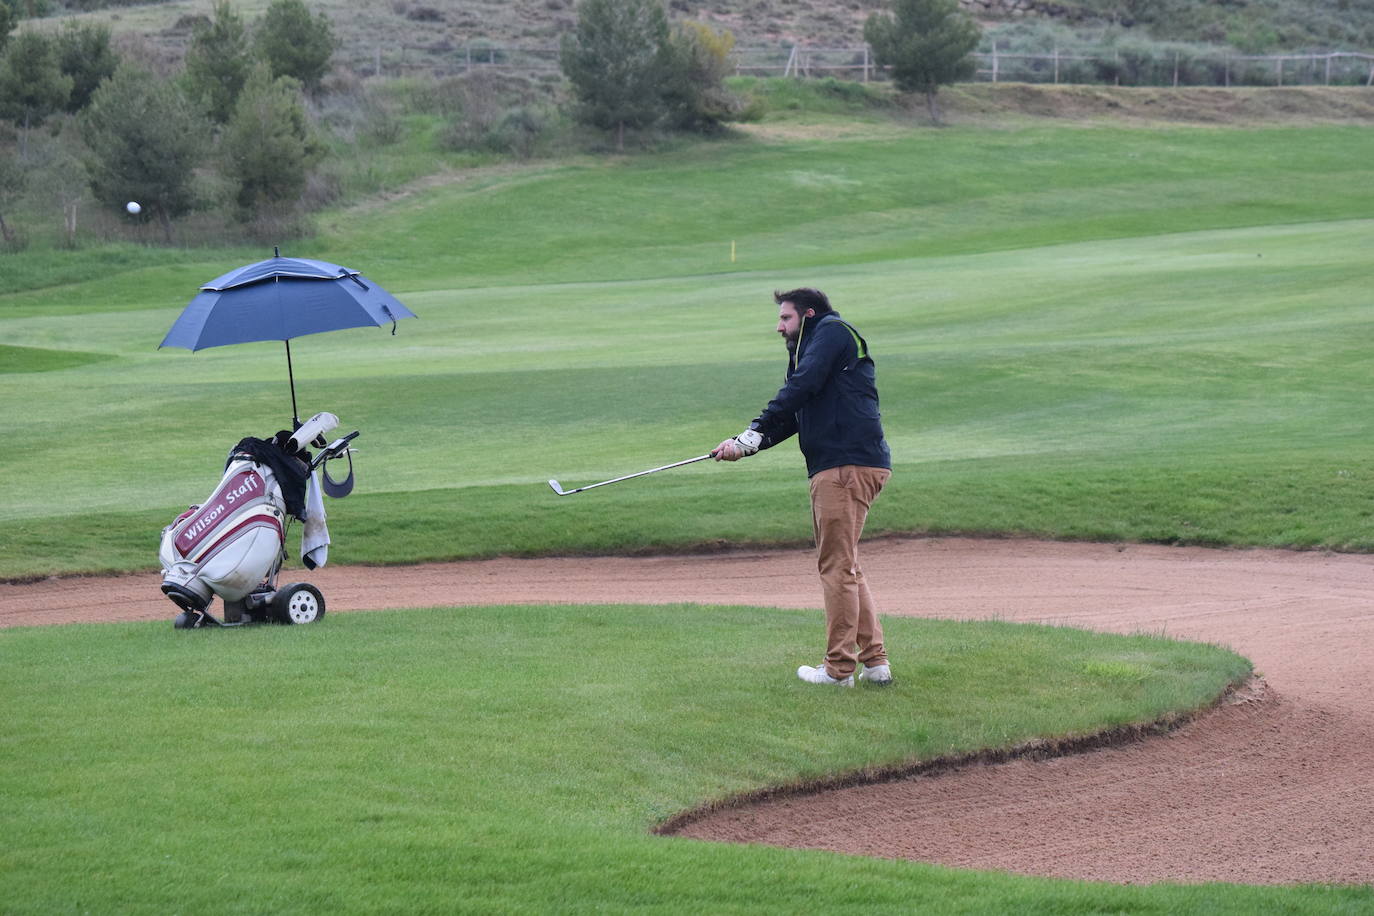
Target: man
[{"x": 830, "y": 400}]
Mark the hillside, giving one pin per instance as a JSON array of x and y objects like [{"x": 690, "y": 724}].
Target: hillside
[{"x": 389, "y": 30}]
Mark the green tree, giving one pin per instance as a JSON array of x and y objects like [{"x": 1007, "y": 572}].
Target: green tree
[
  {"x": 13, "y": 180},
  {"x": 84, "y": 53},
  {"x": 64, "y": 177},
  {"x": 617, "y": 60},
  {"x": 295, "y": 43},
  {"x": 146, "y": 139},
  {"x": 268, "y": 145},
  {"x": 32, "y": 84},
  {"x": 28, "y": 9},
  {"x": 218, "y": 61},
  {"x": 8, "y": 20},
  {"x": 927, "y": 43},
  {"x": 694, "y": 93}
]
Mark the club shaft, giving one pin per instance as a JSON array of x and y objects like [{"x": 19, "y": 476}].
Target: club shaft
[{"x": 675, "y": 464}]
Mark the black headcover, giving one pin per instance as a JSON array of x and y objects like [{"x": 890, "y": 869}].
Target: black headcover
[{"x": 289, "y": 469}]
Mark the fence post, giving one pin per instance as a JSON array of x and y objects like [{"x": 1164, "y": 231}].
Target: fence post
[
  {"x": 1175, "y": 69},
  {"x": 1227, "y": 66},
  {"x": 1370, "y": 81},
  {"x": 1328, "y": 69},
  {"x": 866, "y": 63},
  {"x": 994, "y": 61},
  {"x": 1056, "y": 64},
  {"x": 1279, "y": 68}
]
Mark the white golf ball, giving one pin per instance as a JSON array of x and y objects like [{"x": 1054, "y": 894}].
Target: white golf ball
[{"x": 133, "y": 207}]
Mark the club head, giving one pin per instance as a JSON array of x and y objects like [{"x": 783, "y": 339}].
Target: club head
[{"x": 557, "y": 489}]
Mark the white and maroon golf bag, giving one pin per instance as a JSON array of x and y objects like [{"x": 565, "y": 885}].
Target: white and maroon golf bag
[{"x": 232, "y": 545}]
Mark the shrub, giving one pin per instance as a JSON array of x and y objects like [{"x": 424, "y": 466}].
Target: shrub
[
  {"x": 424, "y": 14},
  {"x": 518, "y": 131},
  {"x": 515, "y": 131},
  {"x": 382, "y": 124},
  {"x": 694, "y": 95}
]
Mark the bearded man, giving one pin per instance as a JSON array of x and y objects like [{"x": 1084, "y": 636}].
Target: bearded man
[{"x": 830, "y": 401}]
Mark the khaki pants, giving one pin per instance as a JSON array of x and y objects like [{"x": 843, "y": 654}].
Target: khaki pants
[{"x": 840, "y": 498}]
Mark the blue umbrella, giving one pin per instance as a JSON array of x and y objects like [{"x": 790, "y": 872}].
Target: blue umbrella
[{"x": 279, "y": 299}]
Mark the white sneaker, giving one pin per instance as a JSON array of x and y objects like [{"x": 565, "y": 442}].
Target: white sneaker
[
  {"x": 878, "y": 675},
  {"x": 818, "y": 675}
]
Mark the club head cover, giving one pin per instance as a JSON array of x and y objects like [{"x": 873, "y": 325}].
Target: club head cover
[{"x": 312, "y": 431}]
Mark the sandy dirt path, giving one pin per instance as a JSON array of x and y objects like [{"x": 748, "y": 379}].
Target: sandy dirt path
[{"x": 1278, "y": 788}]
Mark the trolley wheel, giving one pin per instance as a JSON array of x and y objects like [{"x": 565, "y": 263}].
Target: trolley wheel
[{"x": 299, "y": 602}]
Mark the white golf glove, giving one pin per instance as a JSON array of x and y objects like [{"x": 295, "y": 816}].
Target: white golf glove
[{"x": 749, "y": 441}]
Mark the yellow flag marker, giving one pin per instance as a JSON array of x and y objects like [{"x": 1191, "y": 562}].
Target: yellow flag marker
[{"x": 732, "y": 251}]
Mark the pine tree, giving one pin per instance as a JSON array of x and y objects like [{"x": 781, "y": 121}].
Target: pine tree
[
  {"x": 294, "y": 43},
  {"x": 268, "y": 145},
  {"x": 145, "y": 140},
  {"x": 32, "y": 84},
  {"x": 13, "y": 179},
  {"x": 8, "y": 20},
  {"x": 617, "y": 60},
  {"x": 84, "y": 53},
  {"x": 218, "y": 61},
  {"x": 927, "y": 43}
]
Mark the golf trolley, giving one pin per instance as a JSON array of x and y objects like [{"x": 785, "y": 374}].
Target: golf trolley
[{"x": 233, "y": 544}]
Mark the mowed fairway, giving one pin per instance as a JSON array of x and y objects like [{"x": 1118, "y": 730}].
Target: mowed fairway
[
  {"x": 1080, "y": 333},
  {"x": 1095, "y": 333}
]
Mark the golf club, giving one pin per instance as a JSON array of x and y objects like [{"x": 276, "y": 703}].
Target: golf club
[{"x": 562, "y": 492}]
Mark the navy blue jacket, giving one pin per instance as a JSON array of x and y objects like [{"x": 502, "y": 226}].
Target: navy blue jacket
[{"x": 830, "y": 400}]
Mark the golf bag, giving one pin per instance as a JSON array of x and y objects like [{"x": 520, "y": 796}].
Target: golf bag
[{"x": 233, "y": 544}]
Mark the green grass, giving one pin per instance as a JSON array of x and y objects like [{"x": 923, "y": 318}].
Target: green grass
[
  {"x": 515, "y": 759},
  {"x": 1081, "y": 333},
  {"x": 1106, "y": 334},
  {"x": 33, "y": 359}
]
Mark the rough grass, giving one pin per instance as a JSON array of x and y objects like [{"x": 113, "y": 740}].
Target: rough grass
[{"x": 1022, "y": 103}]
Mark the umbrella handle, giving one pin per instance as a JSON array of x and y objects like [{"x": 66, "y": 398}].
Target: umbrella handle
[{"x": 291, "y": 376}]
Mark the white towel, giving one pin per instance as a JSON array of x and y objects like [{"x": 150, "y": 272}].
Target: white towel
[{"x": 315, "y": 534}]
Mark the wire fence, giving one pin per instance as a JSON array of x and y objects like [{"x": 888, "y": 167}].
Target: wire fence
[
  {"x": 1128, "y": 67},
  {"x": 1117, "y": 66}
]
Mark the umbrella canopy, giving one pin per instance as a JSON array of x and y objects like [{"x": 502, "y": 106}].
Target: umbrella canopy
[{"x": 279, "y": 299}]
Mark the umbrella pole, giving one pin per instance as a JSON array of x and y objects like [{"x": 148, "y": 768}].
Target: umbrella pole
[{"x": 295, "y": 416}]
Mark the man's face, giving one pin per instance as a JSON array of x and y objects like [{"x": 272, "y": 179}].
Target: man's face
[{"x": 790, "y": 322}]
